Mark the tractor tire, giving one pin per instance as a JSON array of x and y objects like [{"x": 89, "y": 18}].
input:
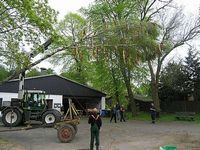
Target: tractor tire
[
  {"x": 11, "y": 117},
  {"x": 66, "y": 133},
  {"x": 50, "y": 118}
]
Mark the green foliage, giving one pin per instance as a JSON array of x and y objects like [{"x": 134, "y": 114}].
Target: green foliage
[
  {"x": 24, "y": 23},
  {"x": 36, "y": 72},
  {"x": 3, "y": 73},
  {"x": 178, "y": 80},
  {"x": 192, "y": 71},
  {"x": 33, "y": 72},
  {"x": 172, "y": 82},
  {"x": 72, "y": 27},
  {"x": 3, "y": 141},
  {"x": 145, "y": 116},
  {"x": 122, "y": 41}
]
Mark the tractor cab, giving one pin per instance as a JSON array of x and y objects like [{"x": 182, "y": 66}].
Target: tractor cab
[{"x": 34, "y": 100}]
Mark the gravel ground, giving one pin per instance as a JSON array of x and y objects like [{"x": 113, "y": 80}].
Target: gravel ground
[{"x": 130, "y": 135}]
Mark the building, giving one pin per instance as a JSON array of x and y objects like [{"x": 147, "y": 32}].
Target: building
[
  {"x": 142, "y": 103},
  {"x": 58, "y": 90}
]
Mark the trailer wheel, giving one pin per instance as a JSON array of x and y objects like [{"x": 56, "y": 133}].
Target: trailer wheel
[
  {"x": 75, "y": 128},
  {"x": 11, "y": 117},
  {"x": 49, "y": 118},
  {"x": 66, "y": 133}
]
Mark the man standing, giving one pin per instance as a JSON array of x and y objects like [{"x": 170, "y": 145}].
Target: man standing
[
  {"x": 95, "y": 121},
  {"x": 122, "y": 110},
  {"x": 113, "y": 114},
  {"x": 153, "y": 112},
  {"x": 118, "y": 111}
]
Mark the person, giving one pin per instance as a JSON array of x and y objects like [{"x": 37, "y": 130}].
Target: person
[
  {"x": 122, "y": 110},
  {"x": 96, "y": 123},
  {"x": 118, "y": 111},
  {"x": 113, "y": 114},
  {"x": 153, "y": 112}
]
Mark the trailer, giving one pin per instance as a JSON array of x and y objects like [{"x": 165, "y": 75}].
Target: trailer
[{"x": 66, "y": 127}]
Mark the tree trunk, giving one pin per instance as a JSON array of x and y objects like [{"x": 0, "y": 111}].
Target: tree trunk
[
  {"x": 131, "y": 100},
  {"x": 154, "y": 85},
  {"x": 127, "y": 80},
  {"x": 155, "y": 97}
]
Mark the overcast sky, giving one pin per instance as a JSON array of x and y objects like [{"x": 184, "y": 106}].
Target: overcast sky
[{"x": 66, "y": 6}]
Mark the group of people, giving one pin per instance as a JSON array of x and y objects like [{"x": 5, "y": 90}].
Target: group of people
[
  {"x": 96, "y": 122},
  {"x": 117, "y": 112}
]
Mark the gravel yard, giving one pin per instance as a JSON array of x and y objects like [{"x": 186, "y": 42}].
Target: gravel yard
[{"x": 130, "y": 135}]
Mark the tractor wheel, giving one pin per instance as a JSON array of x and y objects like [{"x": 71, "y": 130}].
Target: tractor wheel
[
  {"x": 49, "y": 118},
  {"x": 66, "y": 133},
  {"x": 75, "y": 128},
  {"x": 11, "y": 117}
]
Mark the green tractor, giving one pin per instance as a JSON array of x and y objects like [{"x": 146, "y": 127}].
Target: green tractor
[{"x": 32, "y": 106}]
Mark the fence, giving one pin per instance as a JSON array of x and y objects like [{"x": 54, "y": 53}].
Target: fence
[{"x": 181, "y": 106}]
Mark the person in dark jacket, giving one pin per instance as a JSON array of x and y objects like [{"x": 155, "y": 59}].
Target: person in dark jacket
[
  {"x": 153, "y": 112},
  {"x": 113, "y": 114},
  {"x": 118, "y": 111},
  {"x": 96, "y": 122},
  {"x": 122, "y": 110}
]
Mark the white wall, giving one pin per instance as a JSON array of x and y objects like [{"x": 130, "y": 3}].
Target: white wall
[
  {"x": 57, "y": 99},
  {"x": 8, "y": 96},
  {"x": 103, "y": 103}
]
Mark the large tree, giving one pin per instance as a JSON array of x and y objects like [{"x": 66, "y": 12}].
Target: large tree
[
  {"x": 123, "y": 37},
  {"x": 26, "y": 23},
  {"x": 192, "y": 71},
  {"x": 172, "y": 84},
  {"x": 180, "y": 80},
  {"x": 74, "y": 60},
  {"x": 175, "y": 31}
]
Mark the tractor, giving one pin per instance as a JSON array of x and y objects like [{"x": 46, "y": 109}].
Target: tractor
[{"x": 32, "y": 106}]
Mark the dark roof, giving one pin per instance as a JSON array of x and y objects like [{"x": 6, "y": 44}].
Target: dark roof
[
  {"x": 142, "y": 98},
  {"x": 52, "y": 84}
]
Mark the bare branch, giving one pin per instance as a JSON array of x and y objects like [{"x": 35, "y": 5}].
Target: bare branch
[{"x": 159, "y": 9}]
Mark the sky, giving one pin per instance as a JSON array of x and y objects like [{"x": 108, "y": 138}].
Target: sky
[{"x": 65, "y": 6}]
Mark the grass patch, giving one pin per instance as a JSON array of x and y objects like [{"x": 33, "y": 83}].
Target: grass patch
[
  {"x": 164, "y": 117},
  {"x": 167, "y": 117},
  {"x": 3, "y": 141},
  {"x": 144, "y": 116},
  {"x": 197, "y": 118},
  {"x": 140, "y": 116}
]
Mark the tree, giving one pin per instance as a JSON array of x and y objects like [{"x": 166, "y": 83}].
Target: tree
[
  {"x": 172, "y": 85},
  {"x": 122, "y": 37},
  {"x": 3, "y": 73},
  {"x": 74, "y": 60},
  {"x": 175, "y": 32},
  {"x": 36, "y": 72},
  {"x": 180, "y": 81},
  {"x": 192, "y": 71},
  {"x": 24, "y": 23},
  {"x": 30, "y": 22}
]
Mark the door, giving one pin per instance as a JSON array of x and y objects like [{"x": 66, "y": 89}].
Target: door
[{"x": 49, "y": 103}]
